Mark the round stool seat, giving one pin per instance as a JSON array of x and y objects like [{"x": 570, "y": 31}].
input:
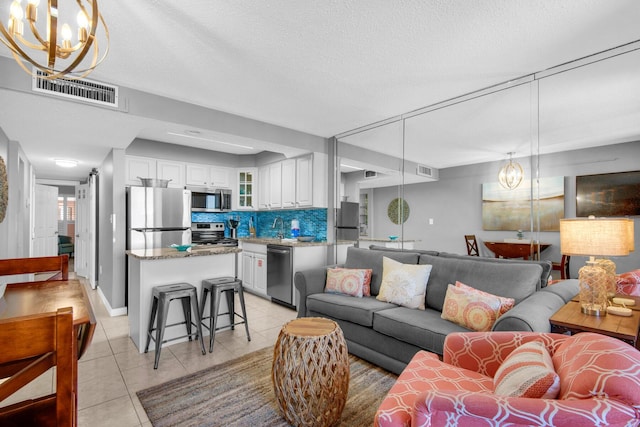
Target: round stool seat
[{"x": 310, "y": 372}]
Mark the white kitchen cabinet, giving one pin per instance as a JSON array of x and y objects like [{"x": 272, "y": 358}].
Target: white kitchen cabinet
[
  {"x": 263, "y": 187},
  {"x": 142, "y": 167},
  {"x": 288, "y": 180},
  {"x": 208, "y": 176},
  {"x": 247, "y": 197},
  {"x": 174, "y": 171},
  {"x": 304, "y": 181},
  {"x": 275, "y": 185},
  {"x": 254, "y": 268}
]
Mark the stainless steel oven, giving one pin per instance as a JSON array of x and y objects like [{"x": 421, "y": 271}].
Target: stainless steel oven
[
  {"x": 211, "y": 200},
  {"x": 210, "y": 233}
]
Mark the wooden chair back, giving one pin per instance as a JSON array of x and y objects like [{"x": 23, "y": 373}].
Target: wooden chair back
[
  {"x": 58, "y": 264},
  {"x": 562, "y": 266},
  {"x": 34, "y": 344},
  {"x": 472, "y": 245}
]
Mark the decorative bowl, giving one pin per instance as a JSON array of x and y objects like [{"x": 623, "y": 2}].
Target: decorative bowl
[
  {"x": 306, "y": 238},
  {"x": 393, "y": 237},
  {"x": 181, "y": 248}
]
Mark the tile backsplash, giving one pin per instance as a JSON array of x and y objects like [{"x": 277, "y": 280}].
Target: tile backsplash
[{"x": 313, "y": 222}]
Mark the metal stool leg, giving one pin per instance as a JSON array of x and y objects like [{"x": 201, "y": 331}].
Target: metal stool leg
[
  {"x": 186, "y": 309},
  {"x": 154, "y": 309},
  {"x": 215, "y": 301},
  {"x": 244, "y": 311},
  {"x": 203, "y": 301},
  {"x": 162, "y": 320},
  {"x": 194, "y": 307},
  {"x": 231, "y": 296}
]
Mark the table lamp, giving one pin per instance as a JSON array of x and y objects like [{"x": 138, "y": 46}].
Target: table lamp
[{"x": 596, "y": 237}]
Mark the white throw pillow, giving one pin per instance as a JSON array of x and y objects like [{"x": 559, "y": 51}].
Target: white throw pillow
[{"x": 404, "y": 284}]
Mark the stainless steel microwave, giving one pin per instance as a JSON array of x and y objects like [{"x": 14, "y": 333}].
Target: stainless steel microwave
[{"x": 210, "y": 200}]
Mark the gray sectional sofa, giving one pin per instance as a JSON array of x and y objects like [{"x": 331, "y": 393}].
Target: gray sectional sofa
[{"x": 389, "y": 335}]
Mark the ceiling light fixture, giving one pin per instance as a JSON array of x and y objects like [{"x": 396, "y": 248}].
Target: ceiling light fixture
[
  {"x": 88, "y": 19},
  {"x": 511, "y": 174},
  {"x": 66, "y": 163},
  {"x": 246, "y": 147}
]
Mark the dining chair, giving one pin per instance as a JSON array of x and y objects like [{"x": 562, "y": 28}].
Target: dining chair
[
  {"x": 562, "y": 266},
  {"x": 58, "y": 264},
  {"x": 38, "y": 343},
  {"x": 472, "y": 245}
]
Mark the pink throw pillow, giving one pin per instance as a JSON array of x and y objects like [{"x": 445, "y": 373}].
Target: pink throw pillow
[
  {"x": 366, "y": 286},
  {"x": 473, "y": 309},
  {"x": 345, "y": 281},
  {"x": 527, "y": 372},
  {"x": 506, "y": 304}
]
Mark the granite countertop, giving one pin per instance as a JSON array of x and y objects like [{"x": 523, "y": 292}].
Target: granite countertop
[
  {"x": 297, "y": 244},
  {"x": 170, "y": 253}
]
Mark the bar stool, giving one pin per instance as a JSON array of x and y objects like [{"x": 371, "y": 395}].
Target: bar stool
[
  {"x": 215, "y": 287},
  {"x": 162, "y": 297}
]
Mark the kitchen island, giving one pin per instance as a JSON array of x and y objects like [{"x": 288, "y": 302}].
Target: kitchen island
[{"x": 162, "y": 266}]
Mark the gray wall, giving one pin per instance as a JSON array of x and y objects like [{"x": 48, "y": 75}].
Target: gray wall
[
  {"x": 455, "y": 202},
  {"x": 111, "y": 229},
  {"x": 4, "y": 225}
]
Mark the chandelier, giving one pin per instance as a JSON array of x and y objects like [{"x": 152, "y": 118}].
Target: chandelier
[
  {"x": 53, "y": 42},
  {"x": 510, "y": 175}
]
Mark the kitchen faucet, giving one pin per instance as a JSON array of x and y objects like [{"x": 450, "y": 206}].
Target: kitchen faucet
[{"x": 280, "y": 234}]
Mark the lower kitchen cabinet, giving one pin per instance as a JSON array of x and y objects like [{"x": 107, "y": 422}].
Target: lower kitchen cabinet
[{"x": 254, "y": 270}]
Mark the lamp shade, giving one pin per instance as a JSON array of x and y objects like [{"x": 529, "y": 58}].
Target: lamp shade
[{"x": 596, "y": 236}]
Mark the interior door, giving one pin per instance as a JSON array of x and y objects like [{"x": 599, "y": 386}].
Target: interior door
[
  {"x": 83, "y": 233},
  {"x": 45, "y": 233}
]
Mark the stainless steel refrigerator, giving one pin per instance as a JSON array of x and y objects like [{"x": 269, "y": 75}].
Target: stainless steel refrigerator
[
  {"x": 158, "y": 217},
  {"x": 347, "y": 224}
]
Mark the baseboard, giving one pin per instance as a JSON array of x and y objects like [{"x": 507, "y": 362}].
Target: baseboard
[{"x": 113, "y": 312}]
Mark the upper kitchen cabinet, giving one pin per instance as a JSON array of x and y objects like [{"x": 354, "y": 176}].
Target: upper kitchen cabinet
[
  {"x": 294, "y": 183},
  {"x": 139, "y": 167},
  {"x": 288, "y": 183},
  {"x": 246, "y": 191},
  {"x": 208, "y": 176},
  {"x": 173, "y": 171}
]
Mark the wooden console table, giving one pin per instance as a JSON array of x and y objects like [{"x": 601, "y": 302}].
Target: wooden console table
[{"x": 514, "y": 250}]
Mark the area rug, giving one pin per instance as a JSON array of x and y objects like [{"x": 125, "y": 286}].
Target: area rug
[{"x": 239, "y": 393}]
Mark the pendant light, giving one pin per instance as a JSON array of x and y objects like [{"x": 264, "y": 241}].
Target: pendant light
[{"x": 511, "y": 174}]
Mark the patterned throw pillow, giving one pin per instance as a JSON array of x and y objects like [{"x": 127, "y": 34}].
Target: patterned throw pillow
[
  {"x": 366, "y": 286},
  {"x": 345, "y": 281},
  {"x": 506, "y": 304},
  {"x": 628, "y": 283},
  {"x": 404, "y": 284},
  {"x": 527, "y": 372},
  {"x": 473, "y": 309}
]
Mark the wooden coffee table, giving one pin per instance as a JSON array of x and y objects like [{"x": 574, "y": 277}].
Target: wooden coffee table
[
  {"x": 570, "y": 319},
  {"x": 310, "y": 372}
]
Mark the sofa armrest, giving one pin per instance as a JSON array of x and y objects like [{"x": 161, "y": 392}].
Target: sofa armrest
[
  {"x": 531, "y": 314},
  {"x": 443, "y": 406},
  {"x": 484, "y": 352},
  {"x": 309, "y": 282}
]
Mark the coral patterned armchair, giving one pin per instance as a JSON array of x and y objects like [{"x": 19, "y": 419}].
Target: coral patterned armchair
[{"x": 597, "y": 382}]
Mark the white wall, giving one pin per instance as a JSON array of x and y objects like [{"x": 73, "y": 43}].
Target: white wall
[{"x": 455, "y": 202}]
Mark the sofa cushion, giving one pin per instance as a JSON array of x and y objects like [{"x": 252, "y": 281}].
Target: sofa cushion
[
  {"x": 345, "y": 281},
  {"x": 364, "y": 258},
  {"x": 473, "y": 309},
  {"x": 424, "y": 329},
  {"x": 356, "y": 310},
  {"x": 404, "y": 284},
  {"x": 510, "y": 280},
  {"x": 547, "y": 266},
  {"x": 528, "y": 372}
]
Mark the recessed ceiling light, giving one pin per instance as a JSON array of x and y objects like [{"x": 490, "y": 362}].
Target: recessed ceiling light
[
  {"x": 192, "y": 132},
  {"x": 66, "y": 163}
]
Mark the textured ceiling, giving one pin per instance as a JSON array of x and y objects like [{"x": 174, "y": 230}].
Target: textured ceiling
[{"x": 325, "y": 67}]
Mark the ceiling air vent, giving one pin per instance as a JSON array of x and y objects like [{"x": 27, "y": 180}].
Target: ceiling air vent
[
  {"x": 370, "y": 174},
  {"x": 427, "y": 171},
  {"x": 80, "y": 90}
]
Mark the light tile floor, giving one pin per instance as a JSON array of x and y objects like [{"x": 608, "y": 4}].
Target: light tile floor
[{"x": 113, "y": 369}]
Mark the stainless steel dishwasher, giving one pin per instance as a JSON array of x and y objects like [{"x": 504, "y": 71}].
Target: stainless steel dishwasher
[{"x": 279, "y": 275}]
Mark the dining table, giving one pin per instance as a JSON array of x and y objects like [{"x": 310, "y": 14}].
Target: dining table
[
  {"x": 523, "y": 250},
  {"x": 31, "y": 298}
]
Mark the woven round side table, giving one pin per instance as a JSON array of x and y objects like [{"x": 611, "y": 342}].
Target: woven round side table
[{"x": 310, "y": 372}]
